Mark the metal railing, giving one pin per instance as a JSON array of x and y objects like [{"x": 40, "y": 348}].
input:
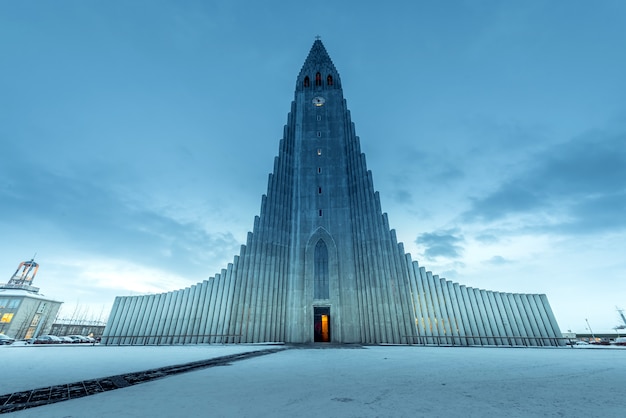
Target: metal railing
[
  {"x": 494, "y": 340},
  {"x": 177, "y": 339}
]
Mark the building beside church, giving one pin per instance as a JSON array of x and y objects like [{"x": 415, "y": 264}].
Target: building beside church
[
  {"x": 322, "y": 264},
  {"x": 24, "y": 312}
]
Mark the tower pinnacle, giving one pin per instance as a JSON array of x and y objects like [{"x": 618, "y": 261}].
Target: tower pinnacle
[{"x": 317, "y": 68}]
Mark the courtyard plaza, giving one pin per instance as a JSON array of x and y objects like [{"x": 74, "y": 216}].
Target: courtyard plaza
[{"x": 312, "y": 380}]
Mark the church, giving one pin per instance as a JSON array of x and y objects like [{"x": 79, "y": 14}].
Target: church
[{"x": 322, "y": 264}]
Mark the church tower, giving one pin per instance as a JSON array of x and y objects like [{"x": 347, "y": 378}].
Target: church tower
[{"x": 322, "y": 264}]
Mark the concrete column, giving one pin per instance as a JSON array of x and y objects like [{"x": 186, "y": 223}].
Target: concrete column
[
  {"x": 174, "y": 314},
  {"x": 388, "y": 275},
  {"x": 250, "y": 286},
  {"x": 165, "y": 314},
  {"x": 275, "y": 215},
  {"x": 555, "y": 327},
  {"x": 258, "y": 279},
  {"x": 239, "y": 308},
  {"x": 110, "y": 331},
  {"x": 220, "y": 302},
  {"x": 146, "y": 319},
  {"x": 211, "y": 302},
  {"x": 467, "y": 315},
  {"x": 508, "y": 322},
  {"x": 281, "y": 295},
  {"x": 534, "y": 319},
  {"x": 435, "y": 295},
  {"x": 196, "y": 314},
  {"x": 183, "y": 315},
  {"x": 415, "y": 301},
  {"x": 545, "y": 322},
  {"x": 513, "y": 318},
  {"x": 480, "y": 320},
  {"x": 155, "y": 314},
  {"x": 361, "y": 272},
  {"x": 422, "y": 304},
  {"x": 261, "y": 322},
  {"x": 192, "y": 315},
  {"x": 208, "y": 312},
  {"x": 233, "y": 297},
  {"x": 523, "y": 316},
  {"x": 456, "y": 318},
  {"x": 389, "y": 324},
  {"x": 403, "y": 291},
  {"x": 374, "y": 306},
  {"x": 444, "y": 306},
  {"x": 219, "y": 323},
  {"x": 381, "y": 315},
  {"x": 206, "y": 317},
  {"x": 177, "y": 315},
  {"x": 127, "y": 319},
  {"x": 497, "y": 317},
  {"x": 370, "y": 305},
  {"x": 430, "y": 319},
  {"x": 134, "y": 319},
  {"x": 484, "y": 318}
]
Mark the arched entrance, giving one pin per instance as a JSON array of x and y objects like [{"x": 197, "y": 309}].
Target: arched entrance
[{"x": 321, "y": 324}]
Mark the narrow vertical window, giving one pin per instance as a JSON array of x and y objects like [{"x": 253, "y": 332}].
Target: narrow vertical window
[
  {"x": 319, "y": 134},
  {"x": 319, "y": 151},
  {"x": 319, "y": 118},
  {"x": 321, "y": 271},
  {"x": 319, "y": 190},
  {"x": 320, "y": 212},
  {"x": 307, "y": 82},
  {"x": 329, "y": 80},
  {"x": 318, "y": 79},
  {"x": 319, "y": 170}
]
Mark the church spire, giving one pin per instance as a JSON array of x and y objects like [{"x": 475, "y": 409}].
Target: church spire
[
  {"x": 321, "y": 263},
  {"x": 318, "y": 70}
]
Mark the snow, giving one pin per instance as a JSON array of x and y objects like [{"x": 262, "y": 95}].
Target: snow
[{"x": 397, "y": 381}]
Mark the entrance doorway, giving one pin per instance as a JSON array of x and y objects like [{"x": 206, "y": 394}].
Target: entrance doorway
[{"x": 321, "y": 324}]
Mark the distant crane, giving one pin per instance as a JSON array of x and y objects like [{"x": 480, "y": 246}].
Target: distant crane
[{"x": 621, "y": 314}]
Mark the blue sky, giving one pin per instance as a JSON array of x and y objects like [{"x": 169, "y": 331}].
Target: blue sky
[{"x": 136, "y": 138}]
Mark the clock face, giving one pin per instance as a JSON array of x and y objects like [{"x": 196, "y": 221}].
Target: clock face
[{"x": 318, "y": 101}]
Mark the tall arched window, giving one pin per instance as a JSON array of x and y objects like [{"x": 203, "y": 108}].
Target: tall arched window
[
  {"x": 321, "y": 271},
  {"x": 318, "y": 79},
  {"x": 306, "y": 81},
  {"x": 329, "y": 80}
]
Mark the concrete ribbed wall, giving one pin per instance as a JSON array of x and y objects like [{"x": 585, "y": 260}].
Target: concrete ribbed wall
[{"x": 321, "y": 189}]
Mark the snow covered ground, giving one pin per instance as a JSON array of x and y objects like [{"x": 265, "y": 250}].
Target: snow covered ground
[{"x": 383, "y": 381}]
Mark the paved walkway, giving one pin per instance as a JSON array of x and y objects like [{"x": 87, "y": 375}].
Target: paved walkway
[
  {"x": 18, "y": 401},
  {"x": 381, "y": 381}
]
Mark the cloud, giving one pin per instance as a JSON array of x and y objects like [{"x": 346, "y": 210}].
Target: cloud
[
  {"x": 93, "y": 212},
  {"x": 402, "y": 196},
  {"x": 497, "y": 260},
  {"x": 577, "y": 187},
  {"x": 441, "y": 244},
  {"x": 487, "y": 238}
]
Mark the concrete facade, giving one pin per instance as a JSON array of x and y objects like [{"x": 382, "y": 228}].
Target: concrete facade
[
  {"x": 322, "y": 264},
  {"x": 26, "y": 314}
]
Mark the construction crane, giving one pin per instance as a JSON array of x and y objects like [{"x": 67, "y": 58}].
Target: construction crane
[{"x": 621, "y": 314}]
